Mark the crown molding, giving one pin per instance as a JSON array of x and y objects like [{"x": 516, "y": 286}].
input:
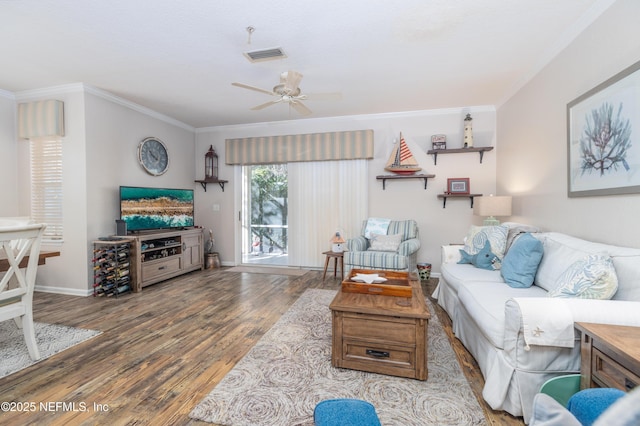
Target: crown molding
[
  {"x": 8, "y": 95},
  {"x": 136, "y": 107},
  {"x": 27, "y": 95}
]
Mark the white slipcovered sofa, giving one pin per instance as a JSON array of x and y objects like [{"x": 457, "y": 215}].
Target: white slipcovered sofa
[{"x": 521, "y": 337}]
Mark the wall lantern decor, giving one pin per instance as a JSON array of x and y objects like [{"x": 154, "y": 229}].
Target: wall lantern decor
[
  {"x": 211, "y": 164},
  {"x": 211, "y": 170}
]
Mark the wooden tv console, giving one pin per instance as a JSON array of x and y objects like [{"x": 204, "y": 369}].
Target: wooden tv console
[{"x": 161, "y": 255}]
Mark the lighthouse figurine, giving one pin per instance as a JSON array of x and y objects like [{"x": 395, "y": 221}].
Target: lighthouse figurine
[{"x": 468, "y": 132}]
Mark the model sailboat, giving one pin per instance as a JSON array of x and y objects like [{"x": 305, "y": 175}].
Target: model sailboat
[{"x": 401, "y": 160}]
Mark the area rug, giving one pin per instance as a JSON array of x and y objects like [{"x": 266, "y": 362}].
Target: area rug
[
  {"x": 51, "y": 339},
  {"x": 284, "y": 376},
  {"x": 269, "y": 270}
]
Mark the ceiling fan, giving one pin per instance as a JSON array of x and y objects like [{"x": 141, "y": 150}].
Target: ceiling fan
[{"x": 288, "y": 91}]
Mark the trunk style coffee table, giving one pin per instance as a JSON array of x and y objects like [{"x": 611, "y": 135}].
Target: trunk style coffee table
[{"x": 380, "y": 333}]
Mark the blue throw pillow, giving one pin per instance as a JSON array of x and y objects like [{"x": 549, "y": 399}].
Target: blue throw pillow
[
  {"x": 521, "y": 262},
  {"x": 484, "y": 259}
]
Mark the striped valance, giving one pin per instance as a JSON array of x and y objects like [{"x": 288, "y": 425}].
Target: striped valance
[
  {"x": 350, "y": 145},
  {"x": 41, "y": 119}
]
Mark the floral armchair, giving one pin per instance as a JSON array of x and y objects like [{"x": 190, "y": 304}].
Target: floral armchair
[{"x": 384, "y": 244}]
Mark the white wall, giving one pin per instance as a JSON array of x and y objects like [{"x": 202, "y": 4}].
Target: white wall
[
  {"x": 102, "y": 133},
  {"x": 401, "y": 200},
  {"x": 8, "y": 155},
  {"x": 114, "y": 128},
  {"x": 67, "y": 273},
  {"x": 532, "y": 160},
  {"x": 114, "y": 131}
]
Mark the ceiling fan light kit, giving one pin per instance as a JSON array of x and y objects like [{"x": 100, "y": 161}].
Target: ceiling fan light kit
[{"x": 287, "y": 91}]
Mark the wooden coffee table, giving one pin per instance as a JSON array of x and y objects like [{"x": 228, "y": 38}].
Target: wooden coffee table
[{"x": 381, "y": 334}]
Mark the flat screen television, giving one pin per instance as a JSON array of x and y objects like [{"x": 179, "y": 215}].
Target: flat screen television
[{"x": 155, "y": 208}]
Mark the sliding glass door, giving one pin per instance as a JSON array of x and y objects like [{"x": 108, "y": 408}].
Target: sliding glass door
[
  {"x": 265, "y": 218},
  {"x": 290, "y": 211}
]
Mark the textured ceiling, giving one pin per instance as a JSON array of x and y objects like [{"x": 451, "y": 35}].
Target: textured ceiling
[{"x": 179, "y": 58}]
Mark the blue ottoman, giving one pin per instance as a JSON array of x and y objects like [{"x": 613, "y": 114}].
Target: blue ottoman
[
  {"x": 588, "y": 404},
  {"x": 345, "y": 412}
]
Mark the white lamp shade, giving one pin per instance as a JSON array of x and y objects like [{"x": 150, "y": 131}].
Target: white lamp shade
[{"x": 492, "y": 206}]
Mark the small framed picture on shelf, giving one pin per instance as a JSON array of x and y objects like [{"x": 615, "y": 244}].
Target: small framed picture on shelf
[
  {"x": 439, "y": 142},
  {"x": 458, "y": 186}
]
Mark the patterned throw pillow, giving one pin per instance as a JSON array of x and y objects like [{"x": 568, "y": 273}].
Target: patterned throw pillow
[
  {"x": 593, "y": 277},
  {"x": 478, "y": 235},
  {"x": 385, "y": 242},
  {"x": 376, "y": 225}
]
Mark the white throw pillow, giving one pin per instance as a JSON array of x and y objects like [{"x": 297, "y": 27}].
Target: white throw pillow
[
  {"x": 478, "y": 235},
  {"x": 592, "y": 277},
  {"x": 385, "y": 242}
]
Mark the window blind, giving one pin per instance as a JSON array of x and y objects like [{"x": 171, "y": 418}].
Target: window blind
[
  {"x": 46, "y": 186},
  {"x": 324, "y": 196}
]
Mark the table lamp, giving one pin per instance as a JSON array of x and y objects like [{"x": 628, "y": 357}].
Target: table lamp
[
  {"x": 492, "y": 206},
  {"x": 337, "y": 242}
]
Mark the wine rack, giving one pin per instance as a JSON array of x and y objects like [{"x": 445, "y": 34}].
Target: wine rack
[{"x": 112, "y": 267}]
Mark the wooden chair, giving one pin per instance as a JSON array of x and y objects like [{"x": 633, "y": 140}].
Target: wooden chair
[{"x": 20, "y": 245}]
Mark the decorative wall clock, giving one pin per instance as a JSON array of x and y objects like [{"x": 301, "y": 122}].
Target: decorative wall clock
[{"x": 153, "y": 156}]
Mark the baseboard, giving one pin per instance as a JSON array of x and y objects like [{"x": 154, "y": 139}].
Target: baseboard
[{"x": 64, "y": 290}]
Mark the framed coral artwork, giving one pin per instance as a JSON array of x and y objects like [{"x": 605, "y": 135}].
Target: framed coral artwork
[{"x": 603, "y": 127}]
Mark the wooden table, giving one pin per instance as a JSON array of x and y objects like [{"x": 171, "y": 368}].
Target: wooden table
[
  {"x": 338, "y": 259},
  {"x": 610, "y": 356},
  {"x": 381, "y": 334},
  {"x": 42, "y": 258}
]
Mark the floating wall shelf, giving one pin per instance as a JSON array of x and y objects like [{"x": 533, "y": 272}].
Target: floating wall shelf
[
  {"x": 444, "y": 197},
  {"x": 204, "y": 183},
  {"x": 384, "y": 178},
  {"x": 480, "y": 150}
]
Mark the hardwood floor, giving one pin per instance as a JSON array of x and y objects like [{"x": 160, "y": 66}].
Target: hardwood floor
[{"x": 162, "y": 350}]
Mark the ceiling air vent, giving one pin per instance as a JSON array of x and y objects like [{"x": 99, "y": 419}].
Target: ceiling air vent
[{"x": 265, "y": 54}]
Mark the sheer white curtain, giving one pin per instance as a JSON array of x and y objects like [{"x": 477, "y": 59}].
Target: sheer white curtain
[{"x": 324, "y": 196}]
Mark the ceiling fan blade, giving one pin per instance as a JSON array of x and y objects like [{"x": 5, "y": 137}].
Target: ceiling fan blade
[
  {"x": 292, "y": 81},
  {"x": 300, "y": 107},
  {"x": 257, "y": 89},
  {"x": 337, "y": 96},
  {"x": 266, "y": 104}
]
